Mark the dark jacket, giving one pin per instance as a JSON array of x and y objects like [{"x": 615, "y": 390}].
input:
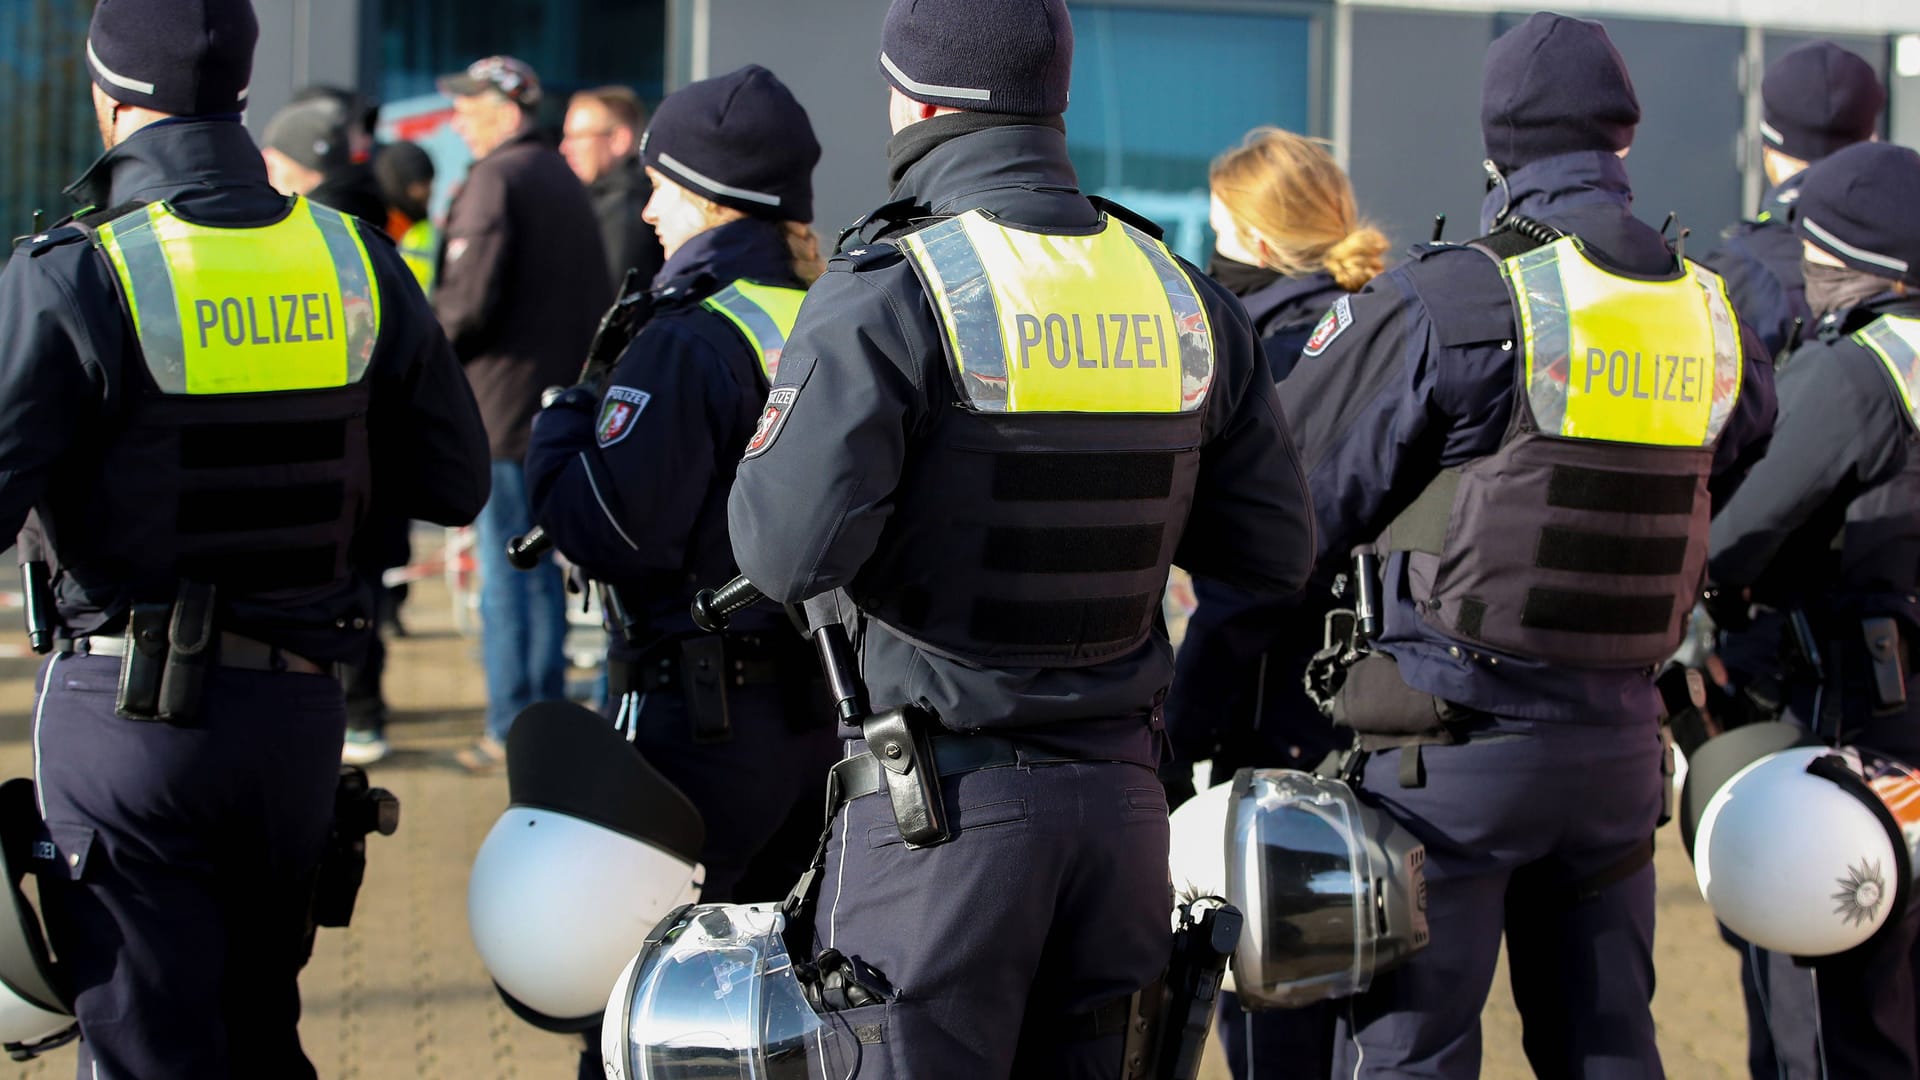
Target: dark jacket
[
  {"x": 522, "y": 283},
  {"x": 1843, "y": 451},
  {"x": 1237, "y": 698},
  {"x": 1760, "y": 260},
  {"x": 1285, "y": 313},
  {"x": 619, "y": 194},
  {"x": 868, "y": 371},
  {"x": 1422, "y": 378},
  {"x": 353, "y": 190},
  {"x": 640, "y": 501},
  {"x": 68, "y": 355}
]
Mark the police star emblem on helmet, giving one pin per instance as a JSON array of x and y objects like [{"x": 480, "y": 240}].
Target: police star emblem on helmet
[{"x": 1861, "y": 893}]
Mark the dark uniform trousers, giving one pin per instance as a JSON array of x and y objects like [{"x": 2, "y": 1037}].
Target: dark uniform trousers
[
  {"x": 1051, "y": 900},
  {"x": 187, "y": 859},
  {"x": 758, "y": 792},
  {"x": 1516, "y": 823}
]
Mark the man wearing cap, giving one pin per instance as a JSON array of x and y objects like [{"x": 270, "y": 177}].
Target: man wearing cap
[
  {"x": 307, "y": 150},
  {"x": 1005, "y": 411},
  {"x": 1828, "y": 524},
  {"x": 1815, "y": 100},
  {"x": 1530, "y": 430},
  {"x": 200, "y": 377},
  {"x": 522, "y": 285}
]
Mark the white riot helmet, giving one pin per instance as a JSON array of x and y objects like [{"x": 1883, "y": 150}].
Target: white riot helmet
[
  {"x": 36, "y": 1013},
  {"x": 713, "y": 995},
  {"x": 595, "y": 846},
  {"x": 1333, "y": 889},
  {"x": 1810, "y": 851}
]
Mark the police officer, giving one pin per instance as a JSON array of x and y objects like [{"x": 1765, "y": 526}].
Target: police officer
[
  {"x": 201, "y": 375},
  {"x": 1005, "y": 411},
  {"x": 730, "y": 721},
  {"x": 1290, "y": 244},
  {"x": 1829, "y": 525},
  {"x": 1538, "y": 424},
  {"x": 1815, "y": 100}
]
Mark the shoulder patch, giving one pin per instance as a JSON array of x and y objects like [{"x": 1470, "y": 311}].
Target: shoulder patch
[
  {"x": 1332, "y": 325},
  {"x": 772, "y": 419},
  {"x": 866, "y": 257},
  {"x": 621, "y": 408}
]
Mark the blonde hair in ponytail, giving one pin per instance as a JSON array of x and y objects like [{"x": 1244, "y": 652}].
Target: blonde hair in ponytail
[
  {"x": 1297, "y": 208},
  {"x": 803, "y": 248}
]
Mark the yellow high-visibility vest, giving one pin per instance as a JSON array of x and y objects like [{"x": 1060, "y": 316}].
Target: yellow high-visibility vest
[
  {"x": 420, "y": 249},
  {"x": 1896, "y": 341},
  {"x": 1040, "y": 322},
  {"x": 1620, "y": 359},
  {"x": 764, "y": 315},
  {"x": 220, "y": 310}
]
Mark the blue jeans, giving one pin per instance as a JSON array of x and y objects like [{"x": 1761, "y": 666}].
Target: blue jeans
[{"x": 523, "y": 613}]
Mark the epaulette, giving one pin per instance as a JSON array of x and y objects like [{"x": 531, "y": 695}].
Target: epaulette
[
  {"x": 882, "y": 220},
  {"x": 1144, "y": 224},
  {"x": 868, "y": 257},
  {"x": 40, "y": 243}
]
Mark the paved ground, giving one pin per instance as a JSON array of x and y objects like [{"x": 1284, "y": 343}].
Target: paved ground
[{"x": 401, "y": 994}]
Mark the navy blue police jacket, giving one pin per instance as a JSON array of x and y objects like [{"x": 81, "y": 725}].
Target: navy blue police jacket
[
  {"x": 1237, "y": 697},
  {"x": 1760, "y": 260},
  {"x": 1422, "y": 378},
  {"x": 1284, "y": 315},
  {"x": 68, "y": 353},
  {"x": 631, "y": 480},
  {"x": 1843, "y": 433},
  {"x": 867, "y": 361}
]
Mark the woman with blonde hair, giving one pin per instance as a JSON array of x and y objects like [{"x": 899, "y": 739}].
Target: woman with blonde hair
[
  {"x": 1290, "y": 241},
  {"x": 1291, "y": 246}
]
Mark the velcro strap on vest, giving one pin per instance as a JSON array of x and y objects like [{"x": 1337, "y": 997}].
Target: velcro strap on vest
[
  {"x": 1046, "y": 622},
  {"x": 1422, "y": 526},
  {"x": 1082, "y": 477},
  {"x": 1614, "y": 491},
  {"x": 1577, "y": 611},
  {"x": 1581, "y": 550},
  {"x": 1075, "y": 549}
]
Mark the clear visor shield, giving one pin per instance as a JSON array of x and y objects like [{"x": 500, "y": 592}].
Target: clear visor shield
[
  {"x": 717, "y": 999},
  {"x": 1333, "y": 891}
]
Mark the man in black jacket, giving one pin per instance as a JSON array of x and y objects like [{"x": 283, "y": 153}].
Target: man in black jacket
[
  {"x": 522, "y": 285},
  {"x": 199, "y": 382},
  {"x": 602, "y": 145}
]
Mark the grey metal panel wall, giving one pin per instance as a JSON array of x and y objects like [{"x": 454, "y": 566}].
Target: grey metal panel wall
[
  {"x": 1415, "y": 149},
  {"x": 1685, "y": 153},
  {"x": 302, "y": 42},
  {"x": 50, "y": 134},
  {"x": 825, "y": 50}
]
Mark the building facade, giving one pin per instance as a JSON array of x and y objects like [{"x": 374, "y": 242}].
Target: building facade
[{"x": 1160, "y": 86}]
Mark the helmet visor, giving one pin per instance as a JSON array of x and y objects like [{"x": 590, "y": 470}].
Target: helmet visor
[
  {"x": 717, "y": 999},
  {"x": 1297, "y": 866}
]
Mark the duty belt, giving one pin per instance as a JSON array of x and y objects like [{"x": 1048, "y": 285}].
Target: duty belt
[
  {"x": 859, "y": 775},
  {"x": 234, "y": 651}
]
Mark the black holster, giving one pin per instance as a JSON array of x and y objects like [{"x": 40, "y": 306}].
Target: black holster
[
  {"x": 901, "y": 743},
  {"x": 704, "y": 673},
  {"x": 169, "y": 648},
  {"x": 358, "y": 809},
  {"x": 1168, "y": 1023}
]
